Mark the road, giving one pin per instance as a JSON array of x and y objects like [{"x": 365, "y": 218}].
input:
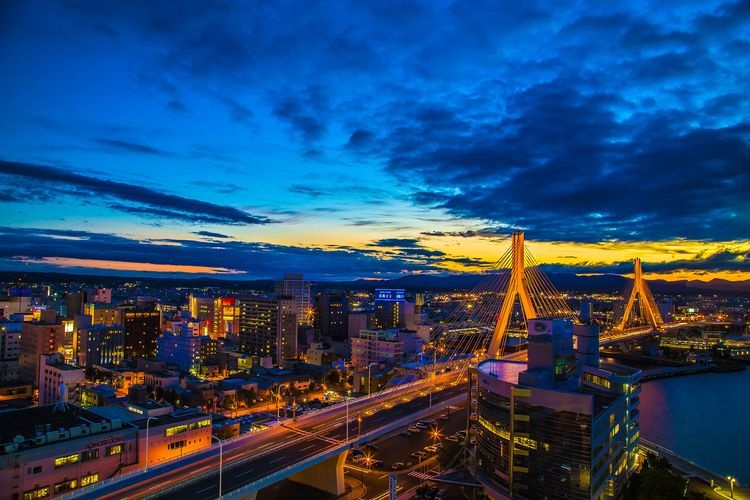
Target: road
[{"x": 249, "y": 459}]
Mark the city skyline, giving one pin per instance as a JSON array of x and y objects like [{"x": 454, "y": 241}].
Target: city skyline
[{"x": 355, "y": 141}]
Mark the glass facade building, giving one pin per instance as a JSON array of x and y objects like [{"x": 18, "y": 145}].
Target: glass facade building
[{"x": 559, "y": 426}]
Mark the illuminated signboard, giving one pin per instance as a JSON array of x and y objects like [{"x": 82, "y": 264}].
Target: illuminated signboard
[{"x": 393, "y": 295}]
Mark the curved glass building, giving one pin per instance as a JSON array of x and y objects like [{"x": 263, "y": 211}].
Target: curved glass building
[{"x": 561, "y": 425}]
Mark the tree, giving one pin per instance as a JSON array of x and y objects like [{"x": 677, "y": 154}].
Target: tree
[
  {"x": 159, "y": 393},
  {"x": 334, "y": 377},
  {"x": 655, "y": 481}
]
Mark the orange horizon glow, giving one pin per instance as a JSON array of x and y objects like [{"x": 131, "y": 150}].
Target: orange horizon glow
[{"x": 119, "y": 265}]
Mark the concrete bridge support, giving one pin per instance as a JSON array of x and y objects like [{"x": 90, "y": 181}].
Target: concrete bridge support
[{"x": 327, "y": 476}]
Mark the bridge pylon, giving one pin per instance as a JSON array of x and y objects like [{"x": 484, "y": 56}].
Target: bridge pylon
[
  {"x": 646, "y": 302},
  {"x": 516, "y": 287}
]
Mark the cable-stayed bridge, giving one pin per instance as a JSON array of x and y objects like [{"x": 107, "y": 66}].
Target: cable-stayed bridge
[{"x": 312, "y": 450}]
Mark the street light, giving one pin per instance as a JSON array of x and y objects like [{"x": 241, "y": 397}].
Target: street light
[
  {"x": 148, "y": 421},
  {"x": 347, "y": 417},
  {"x": 731, "y": 485},
  {"x": 432, "y": 382},
  {"x": 221, "y": 460}
]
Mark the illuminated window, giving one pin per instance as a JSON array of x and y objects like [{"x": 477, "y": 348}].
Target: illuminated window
[
  {"x": 90, "y": 479},
  {"x": 65, "y": 485},
  {"x": 114, "y": 449},
  {"x": 177, "y": 445},
  {"x": 66, "y": 460},
  {"x": 90, "y": 455},
  {"x": 37, "y": 493}
]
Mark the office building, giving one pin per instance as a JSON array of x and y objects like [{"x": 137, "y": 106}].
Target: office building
[
  {"x": 332, "y": 315},
  {"x": 54, "y": 373},
  {"x": 100, "y": 345},
  {"x": 392, "y": 310},
  {"x": 268, "y": 327},
  {"x": 226, "y": 318},
  {"x": 298, "y": 289},
  {"x": 37, "y": 338},
  {"x": 562, "y": 425},
  {"x": 377, "y": 346},
  {"x": 142, "y": 325},
  {"x": 102, "y": 313}
]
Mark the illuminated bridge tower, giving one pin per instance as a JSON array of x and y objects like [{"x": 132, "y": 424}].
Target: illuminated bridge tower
[
  {"x": 516, "y": 287},
  {"x": 646, "y": 302}
]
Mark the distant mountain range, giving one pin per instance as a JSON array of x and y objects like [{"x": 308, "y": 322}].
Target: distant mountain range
[{"x": 605, "y": 283}]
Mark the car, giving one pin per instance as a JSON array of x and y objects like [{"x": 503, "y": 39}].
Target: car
[
  {"x": 421, "y": 425},
  {"x": 371, "y": 446},
  {"x": 397, "y": 465},
  {"x": 377, "y": 463},
  {"x": 419, "y": 454},
  {"x": 451, "y": 438},
  {"x": 414, "y": 430},
  {"x": 443, "y": 417},
  {"x": 358, "y": 459},
  {"x": 431, "y": 449},
  {"x": 406, "y": 433}
]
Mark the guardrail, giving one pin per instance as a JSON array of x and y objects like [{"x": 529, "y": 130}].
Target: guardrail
[{"x": 287, "y": 471}]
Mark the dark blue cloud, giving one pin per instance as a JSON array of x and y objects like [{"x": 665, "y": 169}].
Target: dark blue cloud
[{"x": 158, "y": 204}]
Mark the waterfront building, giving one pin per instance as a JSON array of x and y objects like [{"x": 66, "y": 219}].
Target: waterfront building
[
  {"x": 48, "y": 451},
  {"x": 298, "y": 289},
  {"x": 562, "y": 425},
  {"x": 377, "y": 346},
  {"x": 268, "y": 327}
]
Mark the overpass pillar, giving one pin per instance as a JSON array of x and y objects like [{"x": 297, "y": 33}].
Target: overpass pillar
[{"x": 327, "y": 475}]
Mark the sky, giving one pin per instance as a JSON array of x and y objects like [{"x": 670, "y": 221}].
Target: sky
[{"x": 353, "y": 140}]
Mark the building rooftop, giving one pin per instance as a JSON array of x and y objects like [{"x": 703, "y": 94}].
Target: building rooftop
[
  {"x": 28, "y": 422},
  {"x": 64, "y": 366}
]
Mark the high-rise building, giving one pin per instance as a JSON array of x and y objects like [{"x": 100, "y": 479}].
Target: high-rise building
[
  {"x": 226, "y": 317},
  {"x": 332, "y": 315},
  {"x": 142, "y": 324},
  {"x": 100, "y": 345},
  {"x": 99, "y": 295},
  {"x": 268, "y": 327},
  {"x": 562, "y": 425},
  {"x": 295, "y": 286},
  {"x": 392, "y": 310},
  {"x": 74, "y": 302},
  {"x": 38, "y": 338}
]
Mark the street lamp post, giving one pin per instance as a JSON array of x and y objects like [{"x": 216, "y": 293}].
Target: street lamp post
[
  {"x": 221, "y": 460},
  {"x": 148, "y": 421},
  {"x": 347, "y": 419},
  {"x": 731, "y": 485}
]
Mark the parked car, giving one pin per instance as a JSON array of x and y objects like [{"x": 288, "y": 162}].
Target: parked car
[
  {"x": 397, "y": 465},
  {"x": 377, "y": 463},
  {"x": 431, "y": 449},
  {"x": 371, "y": 446},
  {"x": 406, "y": 433},
  {"x": 443, "y": 417},
  {"x": 419, "y": 454},
  {"x": 451, "y": 438}
]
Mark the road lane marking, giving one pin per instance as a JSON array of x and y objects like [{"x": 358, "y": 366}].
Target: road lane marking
[
  {"x": 244, "y": 473},
  {"x": 277, "y": 460},
  {"x": 212, "y": 487},
  {"x": 308, "y": 447}
]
